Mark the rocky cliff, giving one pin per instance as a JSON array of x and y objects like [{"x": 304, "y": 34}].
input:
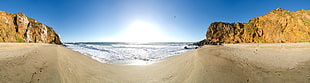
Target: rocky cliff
[
  {"x": 20, "y": 28},
  {"x": 277, "y": 26}
]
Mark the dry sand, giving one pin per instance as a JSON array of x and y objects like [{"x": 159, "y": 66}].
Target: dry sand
[{"x": 232, "y": 63}]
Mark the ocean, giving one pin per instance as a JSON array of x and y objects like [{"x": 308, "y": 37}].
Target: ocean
[{"x": 129, "y": 53}]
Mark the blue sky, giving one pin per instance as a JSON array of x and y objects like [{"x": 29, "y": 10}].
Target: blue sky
[{"x": 108, "y": 20}]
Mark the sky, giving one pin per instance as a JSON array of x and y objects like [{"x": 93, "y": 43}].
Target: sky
[{"x": 142, "y": 20}]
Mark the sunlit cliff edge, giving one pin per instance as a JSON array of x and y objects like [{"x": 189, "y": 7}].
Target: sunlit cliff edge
[
  {"x": 18, "y": 27},
  {"x": 277, "y": 26}
]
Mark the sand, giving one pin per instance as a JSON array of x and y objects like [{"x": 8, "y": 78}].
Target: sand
[{"x": 231, "y": 63}]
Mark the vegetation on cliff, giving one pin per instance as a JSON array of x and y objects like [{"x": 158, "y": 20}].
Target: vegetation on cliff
[
  {"x": 277, "y": 26},
  {"x": 20, "y": 28}
]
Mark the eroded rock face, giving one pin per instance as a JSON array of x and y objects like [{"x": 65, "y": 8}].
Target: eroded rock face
[
  {"x": 277, "y": 26},
  {"x": 20, "y": 28}
]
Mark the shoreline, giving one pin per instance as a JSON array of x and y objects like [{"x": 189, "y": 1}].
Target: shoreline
[
  {"x": 129, "y": 53},
  {"x": 236, "y": 63}
]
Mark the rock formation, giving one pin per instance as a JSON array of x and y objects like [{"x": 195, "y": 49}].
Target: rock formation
[
  {"x": 20, "y": 28},
  {"x": 277, "y": 26}
]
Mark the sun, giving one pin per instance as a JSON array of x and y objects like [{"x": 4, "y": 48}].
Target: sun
[{"x": 142, "y": 32}]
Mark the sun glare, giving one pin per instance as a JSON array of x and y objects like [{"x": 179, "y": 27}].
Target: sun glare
[{"x": 142, "y": 32}]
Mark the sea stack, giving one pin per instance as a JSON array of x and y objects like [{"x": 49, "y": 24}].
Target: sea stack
[
  {"x": 20, "y": 28},
  {"x": 277, "y": 26}
]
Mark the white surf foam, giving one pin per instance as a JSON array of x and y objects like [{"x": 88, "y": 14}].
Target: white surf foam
[{"x": 124, "y": 53}]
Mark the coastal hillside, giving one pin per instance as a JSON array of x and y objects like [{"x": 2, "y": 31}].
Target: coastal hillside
[
  {"x": 20, "y": 28},
  {"x": 277, "y": 26}
]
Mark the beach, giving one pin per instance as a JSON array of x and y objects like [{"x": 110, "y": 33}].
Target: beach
[{"x": 228, "y": 63}]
